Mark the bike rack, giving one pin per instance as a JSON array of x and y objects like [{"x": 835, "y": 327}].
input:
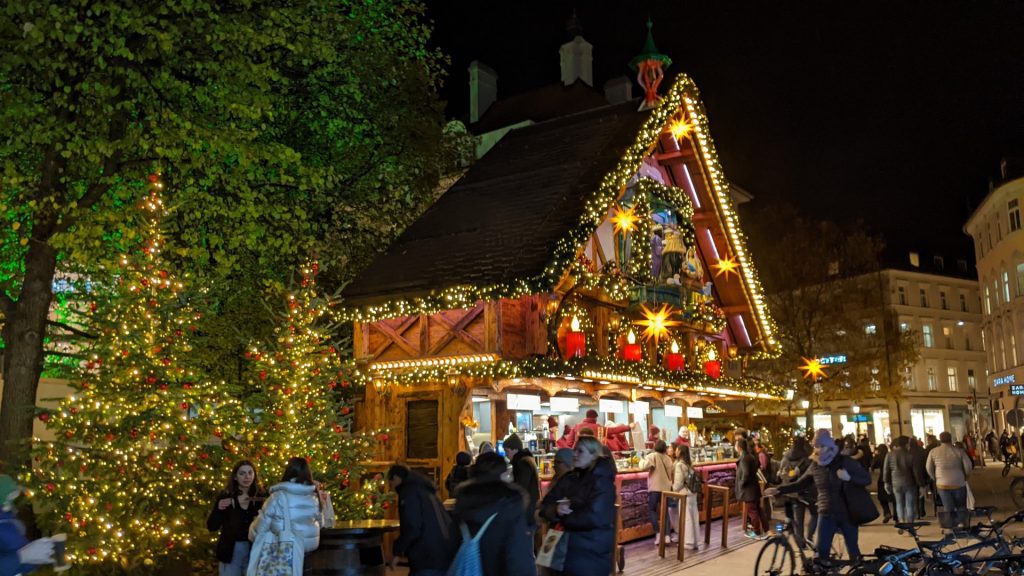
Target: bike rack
[
  {"x": 725, "y": 491},
  {"x": 663, "y": 513}
]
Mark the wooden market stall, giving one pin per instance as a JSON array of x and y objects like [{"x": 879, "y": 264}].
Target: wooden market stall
[{"x": 592, "y": 262}]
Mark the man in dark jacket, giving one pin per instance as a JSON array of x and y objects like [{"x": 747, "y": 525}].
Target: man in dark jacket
[
  {"x": 425, "y": 536},
  {"x": 920, "y": 456},
  {"x": 506, "y": 547},
  {"x": 794, "y": 464},
  {"x": 524, "y": 474}
]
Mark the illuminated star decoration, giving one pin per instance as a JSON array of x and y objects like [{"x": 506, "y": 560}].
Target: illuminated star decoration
[
  {"x": 680, "y": 128},
  {"x": 624, "y": 219},
  {"x": 813, "y": 369},
  {"x": 726, "y": 266},
  {"x": 657, "y": 323}
]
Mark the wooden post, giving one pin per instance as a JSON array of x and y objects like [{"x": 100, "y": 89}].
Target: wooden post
[
  {"x": 724, "y": 491},
  {"x": 662, "y": 516}
]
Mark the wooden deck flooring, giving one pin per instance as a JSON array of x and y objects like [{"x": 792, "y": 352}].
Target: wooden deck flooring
[{"x": 642, "y": 555}]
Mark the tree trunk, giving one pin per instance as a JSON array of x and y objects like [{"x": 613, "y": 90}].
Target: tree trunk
[{"x": 23, "y": 334}]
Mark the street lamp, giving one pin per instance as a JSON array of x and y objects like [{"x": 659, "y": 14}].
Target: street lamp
[
  {"x": 856, "y": 409},
  {"x": 856, "y": 412},
  {"x": 805, "y": 404}
]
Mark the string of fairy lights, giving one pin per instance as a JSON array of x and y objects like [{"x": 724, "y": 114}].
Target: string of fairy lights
[{"x": 682, "y": 95}]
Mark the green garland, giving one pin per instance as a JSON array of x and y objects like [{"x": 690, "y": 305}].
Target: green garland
[{"x": 646, "y": 374}]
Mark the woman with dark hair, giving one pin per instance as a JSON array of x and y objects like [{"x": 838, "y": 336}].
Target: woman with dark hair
[
  {"x": 295, "y": 504},
  {"x": 499, "y": 509},
  {"x": 459, "y": 473},
  {"x": 233, "y": 511},
  {"x": 583, "y": 502},
  {"x": 748, "y": 488},
  {"x": 878, "y": 463},
  {"x": 683, "y": 469}
]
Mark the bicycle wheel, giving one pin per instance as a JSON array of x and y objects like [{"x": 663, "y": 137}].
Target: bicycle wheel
[
  {"x": 776, "y": 558},
  {"x": 1017, "y": 492},
  {"x": 1006, "y": 470}
]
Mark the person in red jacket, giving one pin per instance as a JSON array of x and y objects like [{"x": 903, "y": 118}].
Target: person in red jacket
[
  {"x": 565, "y": 441},
  {"x": 615, "y": 436},
  {"x": 589, "y": 422}
]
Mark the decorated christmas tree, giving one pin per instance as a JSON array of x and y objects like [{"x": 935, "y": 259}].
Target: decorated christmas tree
[
  {"x": 135, "y": 457},
  {"x": 304, "y": 407}
]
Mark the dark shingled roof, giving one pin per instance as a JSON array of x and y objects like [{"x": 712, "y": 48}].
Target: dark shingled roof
[
  {"x": 545, "y": 103},
  {"x": 503, "y": 219}
]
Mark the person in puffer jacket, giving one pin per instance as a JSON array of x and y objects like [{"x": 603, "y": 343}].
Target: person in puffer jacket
[{"x": 295, "y": 496}]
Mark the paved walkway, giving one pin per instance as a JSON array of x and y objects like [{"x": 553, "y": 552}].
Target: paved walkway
[{"x": 990, "y": 489}]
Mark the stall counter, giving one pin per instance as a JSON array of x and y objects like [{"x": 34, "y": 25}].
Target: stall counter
[{"x": 631, "y": 487}]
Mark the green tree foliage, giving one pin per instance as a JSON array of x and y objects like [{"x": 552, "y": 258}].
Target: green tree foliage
[
  {"x": 282, "y": 128},
  {"x": 134, "y": 458},
  {"x": 825, "y": 289},
  {"x": 302, "y": 401}
]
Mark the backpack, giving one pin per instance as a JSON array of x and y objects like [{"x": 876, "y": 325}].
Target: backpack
[
  {"x": 467, "y": 559},
  {"x": 694, "y": 482}
]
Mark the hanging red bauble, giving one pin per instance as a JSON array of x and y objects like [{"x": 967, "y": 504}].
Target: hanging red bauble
[
  {"x": 278, "y": 413},
  {"x": 44, "y": 417},
  {"x": 309, "y": 404},
  {"x": 263, "y": 374},
  {"x": 50, "y": 487},
  {"x": 346, "y": 410},
  {"x": 151, "y": 379},
  {"x": 154, "y": 178},
  {"x": 218, "y": 433},
  {"x": 69, "y": 434}
]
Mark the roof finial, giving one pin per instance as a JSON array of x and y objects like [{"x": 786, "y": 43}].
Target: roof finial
[
  {"x": 650, "y": 68},
  {"x": 573, "y": 25}
]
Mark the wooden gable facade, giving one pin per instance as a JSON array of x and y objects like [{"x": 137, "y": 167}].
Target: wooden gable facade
[{"x": 544, "y": 267}]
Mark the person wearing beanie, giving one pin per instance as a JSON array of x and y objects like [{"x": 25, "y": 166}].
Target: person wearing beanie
[
  {"x": 17, "y": 554},
  {"x": 653, "y": 435},
  {"x": 589, "y": 422},
  {"x": 458, "y": 474},
  {"x": 564, "y": 441},
  {"x": 828, "y": 471},
  {"x": 615, "y": 436},
  {"x": 506, "y": 546},
  {"x": 524, "y": 474}
]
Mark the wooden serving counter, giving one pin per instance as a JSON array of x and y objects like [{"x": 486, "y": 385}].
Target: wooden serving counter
[{"x": 631, "y": 487}]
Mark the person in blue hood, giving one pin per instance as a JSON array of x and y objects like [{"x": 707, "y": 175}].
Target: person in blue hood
[{"x": 17, "y": 554}]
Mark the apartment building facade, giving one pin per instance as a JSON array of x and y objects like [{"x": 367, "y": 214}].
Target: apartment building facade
[{"x": 995, "y": 227}]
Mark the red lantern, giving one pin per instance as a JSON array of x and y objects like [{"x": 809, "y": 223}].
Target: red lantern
[
  {"x": 674, "y": 361},
  {"x": 631, "y": 352},
  {"x": 575, "y": 341},
  {"x": 713, "y": 368}
]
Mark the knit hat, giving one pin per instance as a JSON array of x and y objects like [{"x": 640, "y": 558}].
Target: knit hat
[
  {"x": 463, "y": 458},
  {"x": 564, "y": 455},
  {"x": 824, "y": 438},
  {"x": 9, "y": 489},
  {"x": 513, "y": 442}
]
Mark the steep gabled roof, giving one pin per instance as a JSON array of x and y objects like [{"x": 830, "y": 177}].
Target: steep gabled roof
[
  {"x": 503, "y": 219},
  {"x": 540, "y": 105}
]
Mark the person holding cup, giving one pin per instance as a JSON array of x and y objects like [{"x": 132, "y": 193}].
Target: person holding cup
[
  {"x": 17, "y": 554},
  {"x": 233, "y": 511}
]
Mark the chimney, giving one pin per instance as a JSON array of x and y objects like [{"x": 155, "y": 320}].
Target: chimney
[
  {"x": 483, "y": 89},
  {"x": 576, "y": 57},
  {"x": 618, "y": 90}
]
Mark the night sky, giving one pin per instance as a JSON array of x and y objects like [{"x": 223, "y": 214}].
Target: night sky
[{"x": 895, "y": 113}]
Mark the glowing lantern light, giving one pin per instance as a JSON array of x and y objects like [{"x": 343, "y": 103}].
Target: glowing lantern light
[
  {"x": 726, "y": 266},
  {"x": 813, "y": 369},
  {"x": 624, "y": 219},
  {"x": 657, "y": 323},
  {"x": 575, "y": 340},
  {"x": 631, "y": 351},
  {"x": 674, "y": 359}
]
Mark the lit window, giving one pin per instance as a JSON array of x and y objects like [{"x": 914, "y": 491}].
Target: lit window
[
  {"x": 902, "y": 293},
  {"x": 947, "y": 336},
  {"x": 908, "y": 379},
  {"x": 870, "y": 329},
  {"x": 951, "y": 379},
  {"x": 933, "y": 382},
  {"x": 924, "y": 298},
  {"x": 971, "y": 381},
  {"x": 1013, "y": 210},
  {"x": 942, "y": 300},
  {"x": 904, "y": 326},
  {"x": 1013, "y": 347},
  {"x": 1020, "y": 279},
  {"x": 1006, "y": 287},
  {"x": 988, "y": 301},
  {"x": 926, "y": 336},
  {"x": 995, "y": 293},
  {"x": 915, "y": 260}
]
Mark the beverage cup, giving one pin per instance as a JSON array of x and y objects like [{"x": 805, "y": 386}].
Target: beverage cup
[{"x": 59, "y": 547}]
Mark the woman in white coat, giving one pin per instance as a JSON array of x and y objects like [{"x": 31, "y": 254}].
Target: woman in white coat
[
  {"x": 684, "y": 467},
  {"x": 291, "y": 514}
]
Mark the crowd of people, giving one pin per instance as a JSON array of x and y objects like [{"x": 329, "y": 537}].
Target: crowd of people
[{"x": 818, "y": 474}]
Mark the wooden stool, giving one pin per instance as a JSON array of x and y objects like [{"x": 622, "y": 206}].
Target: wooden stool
[{"x": 663, "y": 515}]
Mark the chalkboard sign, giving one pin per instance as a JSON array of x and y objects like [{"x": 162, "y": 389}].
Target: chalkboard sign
[{"x": 421, "y": 429}]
